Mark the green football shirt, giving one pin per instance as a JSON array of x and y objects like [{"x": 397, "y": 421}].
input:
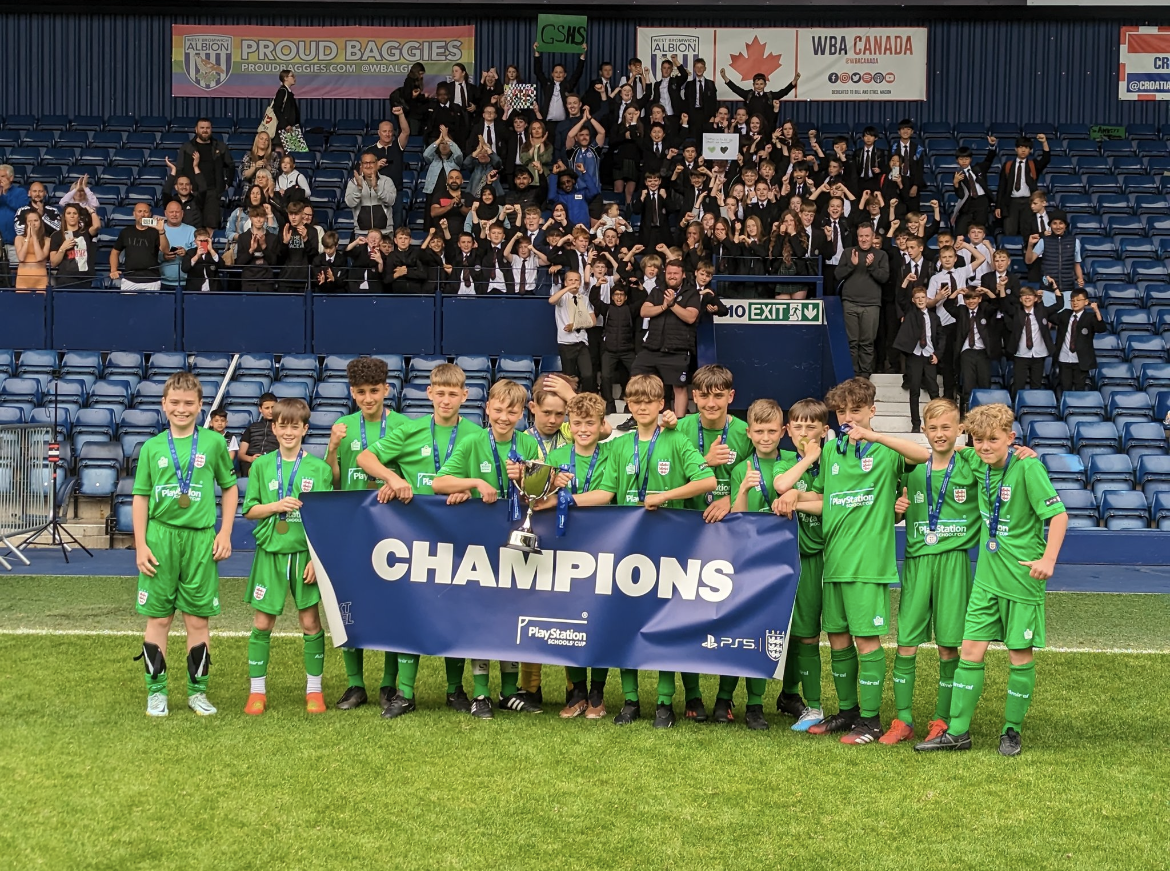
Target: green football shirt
[
  {"x": 156, "y": 477},
  {"x": 353, "y": 478},
  {"x": 1027, "y": 499},
  {"x": 579, "y": 465},
  {"x": 738, "y": 444},
  {"x": 473, "y": 458},
  {"x": 546, "y": 446},
  {"x": 768, "y": 471},
  {"x": 264, "y": 488},
  {"x": 674, "y": 463},
  {"x": 858, "y": 514},
  {"x": 810, "y": 534},
  {"x": 416, "y": 454},
  {"x": 958, "y": 522}
]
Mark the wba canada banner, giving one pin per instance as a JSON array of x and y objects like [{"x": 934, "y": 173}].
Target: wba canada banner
[
  {"x": 878, "y": 63},
  {"x": 622, "y": 588},
  {"x": 1143, "y": 71},
  {"x": 353, "y": 62}
]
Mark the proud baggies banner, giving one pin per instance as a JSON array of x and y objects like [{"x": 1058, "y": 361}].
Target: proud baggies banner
[
  {"x": 622, "y": 588},
  {"x": 342, "y": 62},
  {"x": 835, "y": 63}
]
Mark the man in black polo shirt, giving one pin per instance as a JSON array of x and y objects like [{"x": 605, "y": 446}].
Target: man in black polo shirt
[
  {"x": 258, "y": 439},
  {"x": 388, "y": 150},
  {"x": 216, "y": 165},
  {"x": 141, "y": 246},
  {"x": 672, "y": 312}
]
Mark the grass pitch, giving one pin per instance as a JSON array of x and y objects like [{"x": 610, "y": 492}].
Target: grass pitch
[{"x": 87, "y": 781}]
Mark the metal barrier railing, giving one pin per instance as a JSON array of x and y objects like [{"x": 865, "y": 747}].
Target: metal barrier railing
[{"x": 26, "y": 490}]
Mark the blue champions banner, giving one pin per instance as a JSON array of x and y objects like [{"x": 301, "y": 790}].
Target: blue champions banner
[{"x": 622, "y": 588}]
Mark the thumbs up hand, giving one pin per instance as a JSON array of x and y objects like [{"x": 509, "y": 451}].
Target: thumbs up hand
[{"x": 902, "y": 505}]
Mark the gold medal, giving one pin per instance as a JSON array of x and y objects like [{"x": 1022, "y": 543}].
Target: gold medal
[
  {"x": 184, "y": 500},
  {"x": 281, "y": 527}
]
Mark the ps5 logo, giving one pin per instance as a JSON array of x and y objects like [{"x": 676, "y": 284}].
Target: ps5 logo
[{"x": 713, "y": 643}]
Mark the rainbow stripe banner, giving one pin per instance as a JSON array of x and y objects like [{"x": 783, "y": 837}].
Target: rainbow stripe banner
[{"x": 329, "y": 62}]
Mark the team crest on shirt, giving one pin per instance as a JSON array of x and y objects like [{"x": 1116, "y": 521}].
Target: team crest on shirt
[
  {"x": 835, "y": 469},
  {"x": 664, "y": 467},
  {"x": 866, "y": 464},
  {"x": 143, "y": 595},
  {"x": 259, "y": 593},
  {"x": 802, "y": 486},
  {"x": 960, "y": 494},
  {"x": 200, "y": 461},
  {"x": 919, "y": 498},
  {"x": 425, "y": 451},
  {"x": 1027, "y": 634},
  {"x": 630, "y": 470},
  {"x": 272, "y": 485},
  {"x": 730, "y": 458},
  {"x": 485, "y": 466},
  {"x": 355, "y": 445},
  {"x": 878, "y": 620},
  {"x": 306, "y": 485},
  {"x": 162, "y": 462},
  {"x": 1005, "y": 494}
]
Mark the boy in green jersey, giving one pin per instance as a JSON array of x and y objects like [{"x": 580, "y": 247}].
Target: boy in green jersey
[
  {"x": 351, "y": 435},
  {"x": 417, "y": 450},
  {"x": 859, "y": 478},
  {"x": 1015, "y": 561},
  {"x": 751, "y": 487},
  {"x": 175, "y": 539},
  {"x": 721, "y": 438},
  {"x": 655, "y": 468},
  {"x": 808, "y": 422},
  {"x": 482, "y": 465},
  {"x": 941, "y": 507},
  {"x": 281, "y": 565},
  {"x": 582, "y": 464}
]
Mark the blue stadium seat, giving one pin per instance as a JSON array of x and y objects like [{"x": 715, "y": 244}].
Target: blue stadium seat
[
  {"x": 1151, "y": 204},
  {"x": 474, "y": 365},
  {"x": 978, "y": 397},
  {"x": 60, "y": 419},
  {"x": 1153, "y": 474},
  {"x": 1034, "y": 402},
  {"x": 1107, "y": 347},
  {"x": 291, "y": 390},
  {"x": 125, "y": 363},
  {"x": 93, "y": 425},
  {"x": 1077, "y": 406},
  {"x": 7, "y": 362},
  {"x": 299, "y": 366},
  {"x": 124, "y": 506},
  {"x": 243, "y": 394},
  {"x": 1120, "y": 293},
  {"x": 1141, "y": 131},
  {"x": 110, "y": 393},
  {"x": 98, "y": 468},
  {"x": 1064, "y": 468},
  {"x": 334, "y": 366},
  {"x": 1111, "y": 203},
  {"x": 1154, "y": 374},
  {"x": 333, "y": 395},
  {"x": 1091, "y": 438},
  {"x": 149, "y": 393},
  {"x": 37, "y": 362},
  {"x": 1109, "y": 472},
  {"x": 21, "y": 390},
  {"x": 250, "y": 365},
  {"x": 1160, "y": 510},
  {"x": 322, "y": 421},
  {"x": 1081, "y": 508},
  {"x": 421, "y": 366},
  {"x": 1142, "y": 437},
  {"x": 1137, "y": 247},
  {"x": 1127, "y": 405},
  {"x": 136, "y": 426},
  {"x": 82, "y": 362},
  {"x": 1124, "y": 225},
  {"x": 1143, "y": 347},
  {"x": 1049, "y": 434},
  {"x": 165, "y": 363},
  {"x": 210, "y": 364},
  {"x": 1124, "y": 509},
  {"x": 1086, "y": 225},
  {"x": 1091, "y": 246},
  {"x": 1105, "y": 270}
]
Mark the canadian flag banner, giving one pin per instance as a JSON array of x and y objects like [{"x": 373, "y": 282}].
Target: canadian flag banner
[
  {"x": 746, "y": 52},
  {"x": 848, "y": 63}
]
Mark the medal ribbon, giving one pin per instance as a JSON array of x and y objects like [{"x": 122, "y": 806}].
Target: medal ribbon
[{"x": 184, "y": 480}]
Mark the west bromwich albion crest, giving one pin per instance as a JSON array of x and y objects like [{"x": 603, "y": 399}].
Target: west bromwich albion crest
[
  {"x": 207, "y": 59},
  {"x": 960, "y": 494},
  {"x": 774, "y": 644}
]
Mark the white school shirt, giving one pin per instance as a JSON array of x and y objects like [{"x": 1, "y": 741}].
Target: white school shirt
[
  {"x": 531, "y": 264},
  {"x": 942, "y": 279},
  {"x": 1038, "y": 347},
  {"x": 564, "y": 316}
]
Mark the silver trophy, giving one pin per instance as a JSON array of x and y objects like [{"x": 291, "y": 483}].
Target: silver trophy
[{"x": 537, "y": 480}]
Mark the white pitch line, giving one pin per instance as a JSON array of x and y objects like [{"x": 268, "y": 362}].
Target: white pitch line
[{"x": 231, "y": 633}]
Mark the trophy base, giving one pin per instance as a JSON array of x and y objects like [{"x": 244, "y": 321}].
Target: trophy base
[{"x": 525, "y": 541}]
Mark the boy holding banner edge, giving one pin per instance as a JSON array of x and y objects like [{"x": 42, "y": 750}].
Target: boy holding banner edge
[
  {"x": 418, "y": 449},
  {"x": 752, "y": 492},
  {"x": 281, "y": 565},
  {"x": 494, "y": 452},
  {"x": 349, "y": 437},
  {"x": 655, "y": 468}
]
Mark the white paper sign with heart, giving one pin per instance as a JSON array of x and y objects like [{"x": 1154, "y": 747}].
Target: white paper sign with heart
[{"x": 720, "y": 146}]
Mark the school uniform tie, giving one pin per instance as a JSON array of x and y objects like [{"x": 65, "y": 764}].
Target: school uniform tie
[
  {"x": 922, "y": 336},
  {"x": 836, "y": 237},
  {"x": 971, "y": 331},
  {"x": 698, "y": 92},
  {"x": 970, "y": 179},
  {"x": 1043, "y": 224},
  {"x": 1072, "y": 334},
  {"x": 954, "y": 284},
  {"x": 487, "y": 138},
  {"x": 1028, "y": 341},
  {"x": 1019, "y": 176},
  {"x": 462, "y": 101},
  {"x": 523, "y": 276}
]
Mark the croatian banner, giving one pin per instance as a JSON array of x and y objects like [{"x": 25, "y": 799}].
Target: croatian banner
[
  {"x": 838, "y": 63},
  {"x": 349, "y": 62},
  {"x": 1143, "y": 71},
  {"x": 622, "y": 588}
]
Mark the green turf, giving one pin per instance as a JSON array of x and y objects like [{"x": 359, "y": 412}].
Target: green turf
[{"x": 90, "y": 782}]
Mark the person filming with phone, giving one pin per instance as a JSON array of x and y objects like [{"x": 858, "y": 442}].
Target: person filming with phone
[{"x": 140, "y": 248}]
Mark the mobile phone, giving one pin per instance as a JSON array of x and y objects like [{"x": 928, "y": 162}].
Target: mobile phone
[
  {"x": 150, "y": 222},
  {"x": 895, "y": 172}
]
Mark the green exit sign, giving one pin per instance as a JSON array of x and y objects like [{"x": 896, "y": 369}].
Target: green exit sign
[{"x": 750, "y": 311}]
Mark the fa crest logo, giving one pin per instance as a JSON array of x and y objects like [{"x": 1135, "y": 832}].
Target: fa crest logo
[
  {"x": 143, "y": 595},
  {"x": 207, "y": 60},
  {"x": 664, "y": 467},
  {"x": 344, "y": 607},
  {"x": 879, "y": 621},
  {"x": 960, "y": 495},
  {"x": 259, "y": 592},
  {"x": 306, "y": 485},
  {"x": 774, "y": 644},
  {"x": 836, "y": 468},
  {"x": 730, "y": 458},
  {"x": 866, "y": 464},
  {"x": 200, "y": 461},
  {"x": 485, "y": 466},
  {"x": 1005, "y": 494}
]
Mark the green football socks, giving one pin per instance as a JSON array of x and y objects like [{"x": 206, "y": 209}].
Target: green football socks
[
  {"x": 575, "y": 674},
  {"x": 904, "y": 672},
  {"x": 454, "y": 669},
  {"x": 407, "y": 672},
  {"x": 727, "y": 685},
  {"x": 259, "y": 649},
  {"x": 354, "y": 659},
  {"x": 756, "y": 686},
  {"x": 480, "y": 678},
  {"x": 968, "y": 686},
  {"x": 844, "y": 665},
  {"x": 946, "y": 683},
  {"x": 791, "y": 685},
  {"x": 1020, "y": 687},
  {"x": 390, "y": 670},
  {"x": 598, "y": 677},
  {"x": 871, "y": 679},
  {"x": 808, "y": 660},
  {"x": 630, "y": 684},
  {"x": 509, "y": 679},
  {"x": 315, "y": 654},
  {"x": 690, "y": 684},
  {"x": 665, "y": 687}
]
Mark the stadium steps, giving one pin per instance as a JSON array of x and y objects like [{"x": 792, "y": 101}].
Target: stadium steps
[{"x": 893, "y": 408}]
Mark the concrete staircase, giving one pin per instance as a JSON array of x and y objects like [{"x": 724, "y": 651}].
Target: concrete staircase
[
  {"x": 86, "y": 519},
  {"x": 893, "y": 408}
]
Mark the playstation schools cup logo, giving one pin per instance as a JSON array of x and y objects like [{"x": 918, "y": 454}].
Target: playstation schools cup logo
[{"x": 207, "y": 59}]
